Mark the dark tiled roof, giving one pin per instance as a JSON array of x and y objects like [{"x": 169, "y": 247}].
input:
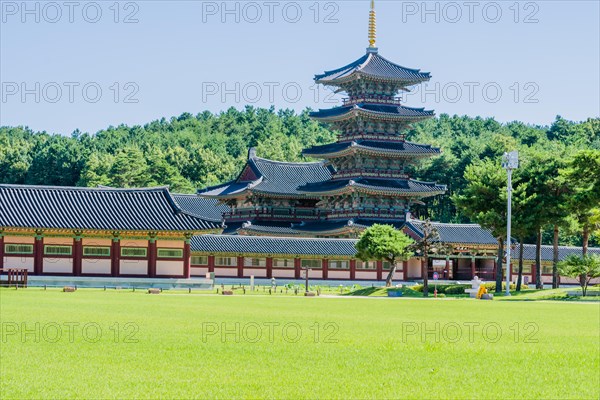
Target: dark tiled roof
[
  {"x": 208, "y": 209},
  {"x": 407, "y": 186},
  {"x": 408, "y": 113},
  {"x": 373, "y": 65},
  {"x": 548, "y": 252},
  {"x": 335, "y": 225},
  {"x": 271, "y": 245},
  {"x": 104, "y": 208},
  {"x": 273, "y": 177},
  {"x": 274, "y": 227},
  {"x": 456, "y": 233},
  {"x": 407, "y": 148}
]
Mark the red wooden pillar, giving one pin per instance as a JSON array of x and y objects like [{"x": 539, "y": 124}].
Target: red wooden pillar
[
  {"x": 77, "y": 255},
  {"x": 509, "y": 272},
  {"x": 379, "y": 270},
  {"x": 240, "y": 267},
  {"x": 404, "y": 270},
  {"x": 352, "y": 269},
  {"x": 473, "y": 270},
  {"x": 494, "y": 270},
  {"x": 186, "y": 259},
  {"x": 447, "y": 269},
  {"x": 211, "y": 263},
  {"x": 325, "y": 264},
  {"x": 533, "y": 273},
  {"x": 297, "y": 268},
  {"x": 38, "y": 254},
  {"x": 115, "y": 256},
  {"x": 269, "y": 267},
  {"x": 152, "y": 257},
  {"x": 1, "y": 251}
]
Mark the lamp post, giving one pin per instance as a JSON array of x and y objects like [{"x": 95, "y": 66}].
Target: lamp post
[{"x": 510, "y": 161}]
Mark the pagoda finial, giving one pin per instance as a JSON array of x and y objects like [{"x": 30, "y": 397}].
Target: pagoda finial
[{"x": 372, "y": 29}]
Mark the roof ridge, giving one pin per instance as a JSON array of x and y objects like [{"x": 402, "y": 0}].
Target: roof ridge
[
  {"x": 417, "y": 71},
  {"x": 84, "y": 188},
  {"x": 299, "y": 164},
  {"x": 278, "y": 238}
]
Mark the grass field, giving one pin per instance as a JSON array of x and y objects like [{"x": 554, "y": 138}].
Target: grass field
[{"x": 119, "y": 344}]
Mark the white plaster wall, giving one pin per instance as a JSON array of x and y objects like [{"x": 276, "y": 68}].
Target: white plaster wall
[
  {"x": 257, "y": 272},
  {"x": 198, "y": 271},
  {"x": 58, "y": 241},
  {"x": 283, "y": 273},
  {"x": 220, "y": 271},
  {"x": 96, "y": 242},
  {"x": 19, "y": 239},
  {"x": 315, "y": 273},
  {"x": 133, "y": 267},
  {"x": 169, "y": 268},
  {"x": 336, "y": 274},
  {"x": 371, "y": 275},
  {"x": 172, "y": 244},
  {"x": 19, "y": 262},
  {"x": 414, "y": 268},
  {"x": 58, "y": 265},
  {"x": 95, "y": 266}
]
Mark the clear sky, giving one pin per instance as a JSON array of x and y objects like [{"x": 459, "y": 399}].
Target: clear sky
[{"x": 87, "y": 65}]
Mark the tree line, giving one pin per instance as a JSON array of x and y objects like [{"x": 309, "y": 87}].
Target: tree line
[{"x": 554, "y": 187}]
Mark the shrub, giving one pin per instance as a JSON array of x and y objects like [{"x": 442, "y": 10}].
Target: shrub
[
  {"x": 491, "y": 286},
  {"x": 455, "y": 289}
]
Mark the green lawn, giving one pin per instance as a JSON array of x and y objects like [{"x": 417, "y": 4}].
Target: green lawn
[{"x": 363, "y": 349}]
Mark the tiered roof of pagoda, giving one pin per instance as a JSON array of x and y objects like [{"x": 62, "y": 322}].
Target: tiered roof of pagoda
[
  {"x": 392, "y": 112},
  {"x": 373, "y": 66},
  {"x": 404, "y": 187},
  {"x": 398, "y": 149},
  {"x": 270, "y": 178}
]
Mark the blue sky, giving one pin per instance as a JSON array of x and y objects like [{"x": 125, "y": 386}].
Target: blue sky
[{"x": 89, "y": 65}]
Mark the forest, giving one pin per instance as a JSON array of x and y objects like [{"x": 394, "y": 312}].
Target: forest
[{"x": 557, "y": 187}]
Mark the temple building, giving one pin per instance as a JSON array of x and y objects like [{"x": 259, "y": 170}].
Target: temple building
[
  {"x": 102, "y": 232},
  {"x": 276, "y": 218},
  {"x": 361, "y": 179}
]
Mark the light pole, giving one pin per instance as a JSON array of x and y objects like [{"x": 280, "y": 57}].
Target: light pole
[{"x": 510, "y": 161}]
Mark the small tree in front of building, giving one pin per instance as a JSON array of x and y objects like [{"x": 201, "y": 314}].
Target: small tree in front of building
[
  {"x": 384, "y": 243},
  {"x": 583, "y": 268}
]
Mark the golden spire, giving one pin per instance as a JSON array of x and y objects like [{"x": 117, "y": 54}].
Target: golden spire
[{"x": 372, "y": 26}]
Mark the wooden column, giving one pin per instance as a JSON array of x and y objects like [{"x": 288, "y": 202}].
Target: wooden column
[
  {"x": 325, "y": 265},
  {"x": 447, "y": 269},
  {"x": 379, "y": 270},
  {"x": 352, "y": 269},
  {"x": 115, "y": 253},
  {"x": 533, "y": 273},
  {"x": 77, "y": 255},
  {"x": 1, "y": 251},
  {"x": 38, "y": 254},
  {"x": 494, "y": 270},
  {"x": 186, "y": 259},
  {"x": 240, "y": 267},
  {"x": 211, "y": 263},
  {"x": 152, "y": 257},
  {"x": 424, "y": 268},
  {"x": 269, "y": 267},
  {"x": 404, "y": 270},
  {"x": 297, "y": 267},
  {"x": 473, "y": 270}
]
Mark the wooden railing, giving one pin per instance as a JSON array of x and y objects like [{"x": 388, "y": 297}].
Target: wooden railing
[{"x": 15, "y": 277}]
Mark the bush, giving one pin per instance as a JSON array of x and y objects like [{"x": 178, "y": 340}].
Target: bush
[
  {"x": 491, "y": 286},
  {"x": 442, "y": 288},
  {"x": 455, "y": 289}
]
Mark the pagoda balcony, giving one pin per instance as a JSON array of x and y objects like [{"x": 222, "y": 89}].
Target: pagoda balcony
[
  {"x": 374, "y": 99},
  {"x": 367, "y": 212},
  {"x": 308, "y": 213},
  {"x": 370, "y": 173}
]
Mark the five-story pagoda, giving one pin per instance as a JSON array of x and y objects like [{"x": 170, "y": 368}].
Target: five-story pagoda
[
  {"x": 360, "y": 180},
  {"x": 369, "y": 182}
]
